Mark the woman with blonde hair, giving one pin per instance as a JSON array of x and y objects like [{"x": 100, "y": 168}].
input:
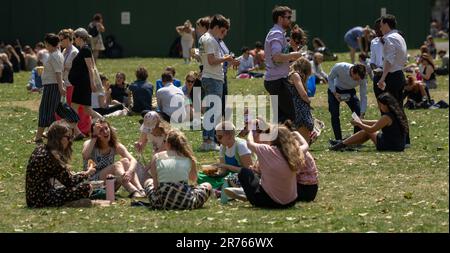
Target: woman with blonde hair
[
  {"x": 173, "y": 171},
  {"x": 187, "y": 39},
  {"x": 279, "y": 157},
  {"x": 301, "y": 69}
]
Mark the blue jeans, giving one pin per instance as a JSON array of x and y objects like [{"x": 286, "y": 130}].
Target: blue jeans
[
  {"x": 333, "y": 108},
  {"x": 212, "y": 87}
]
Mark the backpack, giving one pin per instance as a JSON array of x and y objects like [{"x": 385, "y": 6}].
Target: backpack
[{"x": 92, "y": 30}]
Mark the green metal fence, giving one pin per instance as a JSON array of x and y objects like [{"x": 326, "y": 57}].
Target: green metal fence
[{"x": 152, "y": 27}]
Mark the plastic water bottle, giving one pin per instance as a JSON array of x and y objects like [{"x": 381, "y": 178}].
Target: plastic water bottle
[
  {"x": 223, "y": 196},
  {"x": 110, "y": 188}
]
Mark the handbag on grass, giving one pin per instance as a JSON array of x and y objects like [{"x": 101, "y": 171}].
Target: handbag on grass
[{"x": 65, "y": 111}]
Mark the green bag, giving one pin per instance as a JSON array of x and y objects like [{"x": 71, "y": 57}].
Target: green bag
[{"x": 98, "y": 194}]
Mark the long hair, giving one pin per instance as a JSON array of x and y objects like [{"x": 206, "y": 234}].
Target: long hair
[
  {"x": 394, "y": 107},
  {"x": 288, "y": 146},
  {"x": 179, "y": 143},
  {"x": 427, "y": 57},
  {"x": 113, "y": 140},
  {"x": 55, "y": 133},
  {"x": 302, "y": 67}
]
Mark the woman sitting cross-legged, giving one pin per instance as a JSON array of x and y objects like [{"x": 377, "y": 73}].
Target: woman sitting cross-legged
[
  {"x": 102, "y": 149},
  {"x": 49, "y": 163},
  {"x": 393, "y": 125},
  {"x": 233, "y": 153},
  {"x": 173, "y": 171},
  {"x": 279, "y": 158}
]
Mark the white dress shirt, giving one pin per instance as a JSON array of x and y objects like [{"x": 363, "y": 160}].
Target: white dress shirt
[{"x": 395, "y": 50}]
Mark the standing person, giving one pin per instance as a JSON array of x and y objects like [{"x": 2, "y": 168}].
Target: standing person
[
  {"x": 303, "y": 122},
  {"x": 213, "y": 75},
  {"x": 187, "y": 39},
  {"x": 342, "y": 81},
  {"x": 54, "y": 87},
  {"x": 395, "y": 56},
  {"x": 277, "y": 59},
  {"x": 174, "y": 171},
  {"x": 96, "y": 28},
  {"x": 50, "y": 162},
  {"x": 376, "y": 57},
  {"x": 81, "y": 75},
  {"x": 70, "y": 52},
  {"x": 358, "y": 38}
]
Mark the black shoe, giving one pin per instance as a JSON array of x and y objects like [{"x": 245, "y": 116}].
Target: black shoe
[
  {"x": 334, "y": 142},
  {"x": 338, "y": 147}
]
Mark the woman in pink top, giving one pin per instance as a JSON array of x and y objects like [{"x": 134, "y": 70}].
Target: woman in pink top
[{"x": 278, "y": 161}]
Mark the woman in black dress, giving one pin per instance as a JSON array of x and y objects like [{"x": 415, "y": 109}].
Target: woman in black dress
[
  {"x": 81, "y": 75},
  {"x": 393, "y": 125}
]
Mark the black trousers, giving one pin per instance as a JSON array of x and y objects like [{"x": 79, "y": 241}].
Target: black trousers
[
  {"x": 333, "y": 107},
  {"x": 306, "y": 193},
  {"x": 285, "y": 104},
  {"x": 108, "y": 110},
  {"x": 395, "y": 83},
  {"x": 255, "y": 192}
]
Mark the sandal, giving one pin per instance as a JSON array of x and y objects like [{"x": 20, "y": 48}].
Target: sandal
[{"x": 136, "y": 194}]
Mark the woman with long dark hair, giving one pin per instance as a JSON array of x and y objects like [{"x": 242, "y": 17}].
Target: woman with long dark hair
[
  {"x": 49, "y": 163},
  {"x": 393, "y": 125}
]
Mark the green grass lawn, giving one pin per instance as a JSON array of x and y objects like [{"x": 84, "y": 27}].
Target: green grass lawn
[{"x": 359, "y": 191}]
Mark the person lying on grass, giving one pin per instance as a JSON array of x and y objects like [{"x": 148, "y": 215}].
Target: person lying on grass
[
  {"x": 393, "y": 125},
  {"x": 50, "y": 163},
  {"x": 102, "y": 149}
]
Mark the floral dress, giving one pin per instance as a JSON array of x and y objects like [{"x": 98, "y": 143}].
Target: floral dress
[
  {"x": 303, "y": 116},
  {"x": 42, "y": 170}
]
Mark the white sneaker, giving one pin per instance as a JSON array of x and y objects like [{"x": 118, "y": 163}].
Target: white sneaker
[
  {"x": 235, "y": 193},
  {"x": 214, "y": 147},
  {"x": 204, "y": 146}
]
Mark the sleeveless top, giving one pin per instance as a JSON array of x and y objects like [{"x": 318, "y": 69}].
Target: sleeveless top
[
  {"x": 432, "y": 77},
  {"x": 101, "y": 160}
]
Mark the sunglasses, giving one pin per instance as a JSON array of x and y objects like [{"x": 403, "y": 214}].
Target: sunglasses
[
  {"x": 288, "y": 17},
  {"x": 190, "y": 81}
]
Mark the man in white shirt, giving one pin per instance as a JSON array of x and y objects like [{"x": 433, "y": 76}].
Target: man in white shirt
[
  {"x": 171, "y": 100},
  {"x": 213, "y": 75},
  {"x": 395, "y": 56}
]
